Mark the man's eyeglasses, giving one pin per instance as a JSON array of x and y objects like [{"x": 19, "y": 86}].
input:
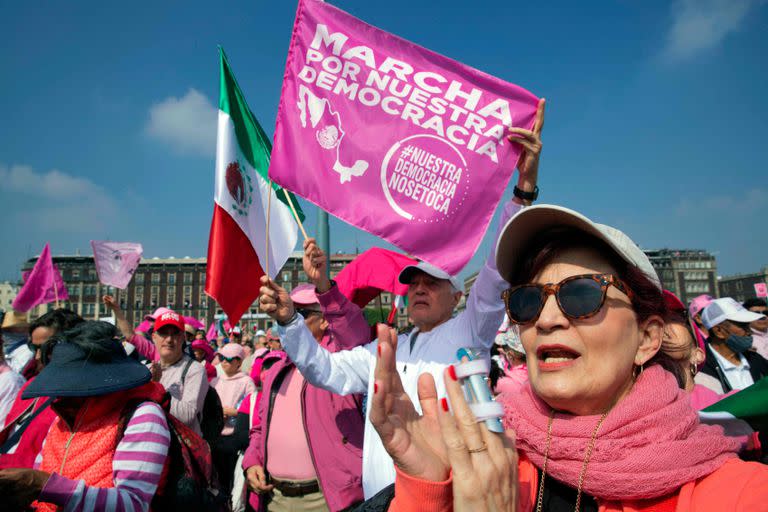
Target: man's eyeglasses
[
  {"x": 578, "y": 297},
  {"x": 231, "y": 359}
]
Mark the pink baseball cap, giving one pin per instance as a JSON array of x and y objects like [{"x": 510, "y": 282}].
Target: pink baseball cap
[
  {"x": 699, "y": 303},
  {"x": 232, "y": 350},
  {"x": 304, "y": 294},
  {"x": 157, "y": 313}
]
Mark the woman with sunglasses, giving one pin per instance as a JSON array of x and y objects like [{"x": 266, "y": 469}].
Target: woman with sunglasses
[{"x": 602, "y": 425}]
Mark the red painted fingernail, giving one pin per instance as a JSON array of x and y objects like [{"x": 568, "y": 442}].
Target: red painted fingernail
[
  {"x": 375, "y": 388},
  {"x": 378, "y": 350},
  {"x": 452, "y": 372},
  {"x": 444, "y": 404}
]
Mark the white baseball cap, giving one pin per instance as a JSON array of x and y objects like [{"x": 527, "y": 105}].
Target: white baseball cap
[
  {"x": 529, "y": 222},
  {"x": 720, "y": 310},
  {"x": 406, "y": 274}
]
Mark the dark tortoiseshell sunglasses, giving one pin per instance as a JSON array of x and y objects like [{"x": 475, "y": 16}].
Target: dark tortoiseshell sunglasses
[{"x": 578, "y": 297}]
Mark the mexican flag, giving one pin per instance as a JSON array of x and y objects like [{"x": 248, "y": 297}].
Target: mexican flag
[
  {"x": 741, "y": 413},
  {"x": 237, "y": 243}
]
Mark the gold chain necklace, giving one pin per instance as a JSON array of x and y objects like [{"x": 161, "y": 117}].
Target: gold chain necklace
[{"x": 584, "y": 465}]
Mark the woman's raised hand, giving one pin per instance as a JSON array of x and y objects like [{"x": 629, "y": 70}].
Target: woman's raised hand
[
  {"x": 412, "y": 440},
  {"x": 483, "y": 463}
]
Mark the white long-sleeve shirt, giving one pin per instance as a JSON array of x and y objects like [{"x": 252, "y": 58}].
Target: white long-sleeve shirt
[{"x": 351, "y": 371}]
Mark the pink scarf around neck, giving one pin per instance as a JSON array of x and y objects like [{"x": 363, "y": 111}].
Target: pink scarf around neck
[{"x": 649, "y": 445}]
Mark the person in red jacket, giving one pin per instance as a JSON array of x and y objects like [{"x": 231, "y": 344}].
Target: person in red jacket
[
  {"x": 602, "y": 424},
  {"x": 28, "y": 420}
]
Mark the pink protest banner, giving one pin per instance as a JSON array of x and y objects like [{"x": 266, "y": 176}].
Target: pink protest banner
[
  {"x": 761, "y": 290},
  {"x": 116, "y": 261},
  {"x": 42, "y": 284},
  {"x": 393, "y": 138}
]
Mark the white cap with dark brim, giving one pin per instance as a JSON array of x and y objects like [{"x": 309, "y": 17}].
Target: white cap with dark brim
[
  {"x": 531, "y": 221},
  {"x": 406, "y": 274}
]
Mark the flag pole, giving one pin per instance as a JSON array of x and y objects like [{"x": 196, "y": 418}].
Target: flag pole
[
  {"x": 55, "y": 289},
  {"x": 269, "y": 211},
  {"x": 295, "y": 214}
]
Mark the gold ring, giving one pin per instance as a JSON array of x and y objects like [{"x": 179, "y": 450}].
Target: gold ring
[{"x": 478, "y": 450}]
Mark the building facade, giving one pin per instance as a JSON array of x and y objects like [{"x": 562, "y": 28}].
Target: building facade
[
  {"x": 742, "y": 286},
  {"x": 685, "y": 272},
  {"x": 179, "y": 284},
  {"x": 8, "y": 292}
]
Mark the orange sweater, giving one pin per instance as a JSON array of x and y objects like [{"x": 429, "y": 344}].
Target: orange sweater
[{"x": 736, "y": 485}]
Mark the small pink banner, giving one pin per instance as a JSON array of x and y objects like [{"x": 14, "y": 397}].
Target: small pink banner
[
  {"x": 116, "y": 261},
  {"x": 42, "y": 284},
  {"x": 393, "y": 138}
]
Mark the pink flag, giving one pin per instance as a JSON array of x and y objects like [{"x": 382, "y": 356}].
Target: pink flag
[
  {"x": 372, "y": 272},
  {"x": 116, "y": 261},
  {"x": 393, "y": 138},
  {"x": 42, "y": 284}
]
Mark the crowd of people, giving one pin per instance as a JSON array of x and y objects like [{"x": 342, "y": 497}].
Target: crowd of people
[{"x": 599, "y": 370}]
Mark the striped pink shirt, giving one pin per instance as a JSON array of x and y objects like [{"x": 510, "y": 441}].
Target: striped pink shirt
[{"x": 136, "y": 469}]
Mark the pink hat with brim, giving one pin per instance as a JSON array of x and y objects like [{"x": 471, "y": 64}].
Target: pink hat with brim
[
  {"x": 304, "y": 294},
  {"x": 157, "y": 313},
  {"x": 232, "y": 350},
  {"x": 205, "y": 347},
  {"x": 699, "y": 303}
]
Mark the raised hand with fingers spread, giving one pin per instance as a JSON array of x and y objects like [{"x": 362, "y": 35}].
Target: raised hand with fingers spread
[
  {"x": 412, "y": 440},
  {"x": 483, "y": 463}
]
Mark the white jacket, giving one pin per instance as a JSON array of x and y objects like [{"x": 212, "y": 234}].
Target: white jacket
[{"x": 351, "y": 371}]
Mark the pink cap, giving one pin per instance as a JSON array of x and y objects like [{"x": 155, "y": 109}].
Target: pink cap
[
  {"x": 699, "y": 303},
  {"x": 157, "y": 313},
  {"x": 304, "y": 294},
  {"x": 205, "y": 347},
  {"x": 232, "y": 350}
]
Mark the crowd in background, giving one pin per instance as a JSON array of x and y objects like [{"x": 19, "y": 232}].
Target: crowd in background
[{"x": 598, "y": 371}]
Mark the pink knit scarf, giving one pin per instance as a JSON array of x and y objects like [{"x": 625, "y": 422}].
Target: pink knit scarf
[{"x": 649, "y": 445}]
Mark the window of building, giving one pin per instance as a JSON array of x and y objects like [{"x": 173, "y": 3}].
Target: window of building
[
  {"x": 187, "y": 277},
  {"x": 155, "y": 292},
  {"x": 739, "y": 286},
  {"x": 139, "y": 278},
  {"x": 171, "y": 294},
  {"x": 155, "y": 277},
  {"x": 91, "y": 274},
  {"x": 75, "y": 273},
  {"x": 139, "y": 292},
  {"x": 172, "y": 278},
  {"x": 302, "y": 276},
  {"x": 286, "y": 277},
  {"x": 202, "y": 278},
  {"x": 386, "y": 298}
]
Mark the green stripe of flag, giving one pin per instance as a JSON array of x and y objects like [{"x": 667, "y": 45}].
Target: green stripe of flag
[
  {"x": 251, "y": 138},
  {"x": 749, "y": 404}
]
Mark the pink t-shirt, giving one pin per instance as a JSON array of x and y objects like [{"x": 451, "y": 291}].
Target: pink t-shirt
[{"x": 288, "y": 456}]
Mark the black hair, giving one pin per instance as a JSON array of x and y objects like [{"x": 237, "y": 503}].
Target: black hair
[
  {"x": 96, "y": 338},
  {"x": 756, "y": 302},
  {"x": 59, "y": 320}
]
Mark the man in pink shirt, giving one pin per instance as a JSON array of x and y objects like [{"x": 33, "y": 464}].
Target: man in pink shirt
[{"x": 305, "y": 453}]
